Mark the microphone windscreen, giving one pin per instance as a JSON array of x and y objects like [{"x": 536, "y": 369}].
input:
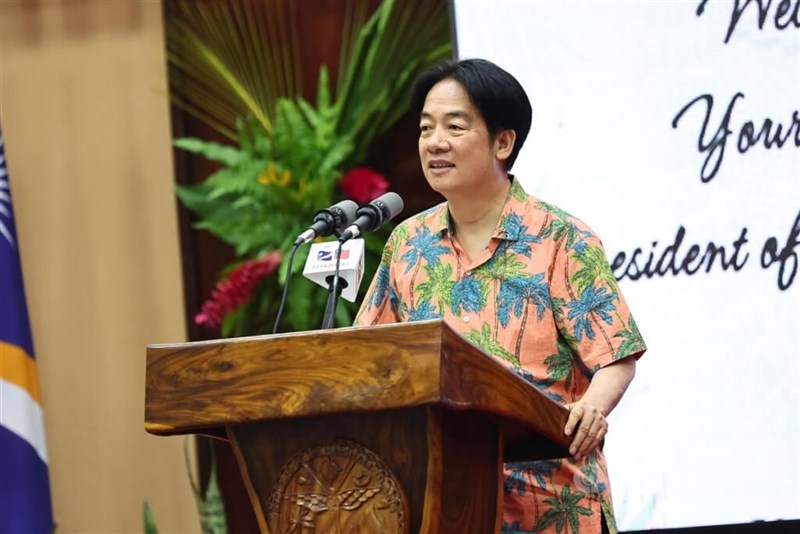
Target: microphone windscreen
[
  {"x": 348, "y": 210},
  {"x": 392, "y": 202}
]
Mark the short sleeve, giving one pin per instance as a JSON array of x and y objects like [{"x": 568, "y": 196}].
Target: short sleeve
[{"x": 590, "y": 311}]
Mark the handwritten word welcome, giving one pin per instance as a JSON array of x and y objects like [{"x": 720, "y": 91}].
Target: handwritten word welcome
[{"x": 783, "y": 15}]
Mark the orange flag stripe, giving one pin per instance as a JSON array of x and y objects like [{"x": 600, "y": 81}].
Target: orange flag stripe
[{"x": 19, "y": 369}]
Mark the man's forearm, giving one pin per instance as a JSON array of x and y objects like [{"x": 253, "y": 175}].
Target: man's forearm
[{"x": 609, "y": 384}]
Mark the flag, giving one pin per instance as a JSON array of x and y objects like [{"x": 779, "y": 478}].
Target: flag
[{"x": 24, "y": 483}]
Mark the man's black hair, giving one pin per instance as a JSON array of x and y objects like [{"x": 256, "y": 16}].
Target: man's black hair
[{"x": 498, "y": 96}]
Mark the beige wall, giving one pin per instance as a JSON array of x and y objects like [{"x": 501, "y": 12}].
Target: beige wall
[{"x": 85, "y": 119}]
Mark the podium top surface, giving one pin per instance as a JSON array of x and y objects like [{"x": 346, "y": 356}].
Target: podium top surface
[{"x": 199, "y": 386}]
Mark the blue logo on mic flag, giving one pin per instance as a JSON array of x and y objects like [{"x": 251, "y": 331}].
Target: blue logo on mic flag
[
  {"x": 24, "y": 483},
  {"x": 330, "y": 255}
]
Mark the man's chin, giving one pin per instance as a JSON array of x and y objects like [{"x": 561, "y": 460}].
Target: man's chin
[{"x": 440, "y": 184}]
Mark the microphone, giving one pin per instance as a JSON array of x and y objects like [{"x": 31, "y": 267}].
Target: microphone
[
  {"x": 329, "y": 220},
  {"x": 371, "y": 216}
]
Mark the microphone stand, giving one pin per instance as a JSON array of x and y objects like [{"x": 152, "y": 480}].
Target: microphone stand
[{"x": 334, "y": 291}]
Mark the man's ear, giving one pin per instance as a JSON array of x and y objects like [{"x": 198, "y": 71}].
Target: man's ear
[{"x": 504, "y": 144}]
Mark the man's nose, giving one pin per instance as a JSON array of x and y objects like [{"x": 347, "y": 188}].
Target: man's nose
[{"x": 437, "y": 142}]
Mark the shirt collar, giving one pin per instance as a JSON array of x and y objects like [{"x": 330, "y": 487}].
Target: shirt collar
[
  {"x": 514, "y": 203},
  {"x": 441, "y": 222}
]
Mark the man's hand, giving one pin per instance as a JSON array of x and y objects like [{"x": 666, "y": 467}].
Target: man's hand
[
  {"x": 587, "y": 417},
  {"x": 587, "y": 426}
]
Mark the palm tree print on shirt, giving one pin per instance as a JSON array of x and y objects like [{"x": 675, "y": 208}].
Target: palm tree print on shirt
[
  {"x": 562, "y": 227},
  {"x": 517, "y": 234},
  {"x": 423, "y": 247},
  {"x": 632, "y": 339},
  {"x": 380, "y": 295},
  {"x": 502, "y": 265},
  {"x": 469, "y": 295},
  {"x": 424, "y": 312},
  {"x": 564, "y": 512},
  {"x": 593, "y": 301},
  {"x": 516, "y": 296},
  {"x": 593, "y": 268},
  {"x": 438, "y": 287},
  {"x": 483, "y": 339},
  {"x": 560, "y": 365}
]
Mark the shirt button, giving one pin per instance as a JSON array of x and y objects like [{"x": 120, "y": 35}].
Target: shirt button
[
  {"x": 466, "y": 318},
  {"x": 469, "y": 273}
]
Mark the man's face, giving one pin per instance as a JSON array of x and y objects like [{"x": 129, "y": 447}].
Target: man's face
[{"x": 454, "y": 147}]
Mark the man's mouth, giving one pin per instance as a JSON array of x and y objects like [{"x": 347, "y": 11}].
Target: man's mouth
[{"x": 440, "y": 165}]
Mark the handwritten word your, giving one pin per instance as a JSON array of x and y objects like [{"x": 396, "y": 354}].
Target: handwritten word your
[{"x": 771, "y": 133}]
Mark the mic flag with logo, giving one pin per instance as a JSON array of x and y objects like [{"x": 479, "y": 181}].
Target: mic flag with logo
[
  {"x": 321, "y": 264},
  {"x": 24, "y": 483}
]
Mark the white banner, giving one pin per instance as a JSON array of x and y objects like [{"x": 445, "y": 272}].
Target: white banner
[{"x": 672, "y": 129}]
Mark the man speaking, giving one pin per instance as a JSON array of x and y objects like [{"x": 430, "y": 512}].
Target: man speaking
[{"x": 520, "y": 278}]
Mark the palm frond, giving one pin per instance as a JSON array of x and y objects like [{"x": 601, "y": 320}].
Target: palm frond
[
  {"x": 400, "y": 39},
  {"x": 232, "y": 59}
]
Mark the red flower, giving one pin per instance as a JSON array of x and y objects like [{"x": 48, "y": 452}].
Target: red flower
[
  {"x": 363, "y": 184},
  {"x": 236, "y": 289}
]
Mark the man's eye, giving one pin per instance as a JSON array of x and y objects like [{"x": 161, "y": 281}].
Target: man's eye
[
  {"x": 424, "y": 128},
  {"x": 456, "y": 127}
]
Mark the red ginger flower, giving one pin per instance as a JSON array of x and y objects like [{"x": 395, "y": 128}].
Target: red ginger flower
[
  {"x": 236, "y": 289},
  {"x": 363, "y": 184}
]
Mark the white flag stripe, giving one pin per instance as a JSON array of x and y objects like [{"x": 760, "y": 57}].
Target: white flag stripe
[
  {"x": 23, "y": 416},
  {"x": 6, "y": 233},
  {"x": 3, "y": 183},
  {"x": 5, "y": 197}
]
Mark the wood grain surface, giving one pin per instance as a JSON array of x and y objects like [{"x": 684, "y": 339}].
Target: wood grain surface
[
  {"x": 192, "y": 387},
  {"x": 471, "y": 491},
  {"x": 206, "y": 384}
]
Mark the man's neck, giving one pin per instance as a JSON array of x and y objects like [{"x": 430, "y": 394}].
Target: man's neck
[
  {"x": 478, "y": 209},
  {"x": 474, "y": 215}
]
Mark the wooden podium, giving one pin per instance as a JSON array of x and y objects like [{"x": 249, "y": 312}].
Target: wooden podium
[{"x": 393, "y": 428}]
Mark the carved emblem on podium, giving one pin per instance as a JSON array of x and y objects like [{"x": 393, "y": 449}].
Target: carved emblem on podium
[{"x": 337, "y": 487}]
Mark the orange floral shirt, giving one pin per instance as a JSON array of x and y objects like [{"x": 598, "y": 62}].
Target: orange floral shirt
[{"x": 542, "y": 299}]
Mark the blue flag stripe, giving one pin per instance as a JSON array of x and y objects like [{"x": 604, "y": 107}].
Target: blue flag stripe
[
  {"x": 14, "y": 327},
  {"x": 24, "y": 490}
]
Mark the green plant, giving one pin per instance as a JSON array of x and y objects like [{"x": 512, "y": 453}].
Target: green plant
[
  {"x": 148, "y": 520},
  {"x": 209, "y": 505},
  {"x": 289, "y": 155}
]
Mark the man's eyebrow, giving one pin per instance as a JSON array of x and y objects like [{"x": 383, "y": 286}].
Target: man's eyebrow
[{"x": 458, "y": 114}]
